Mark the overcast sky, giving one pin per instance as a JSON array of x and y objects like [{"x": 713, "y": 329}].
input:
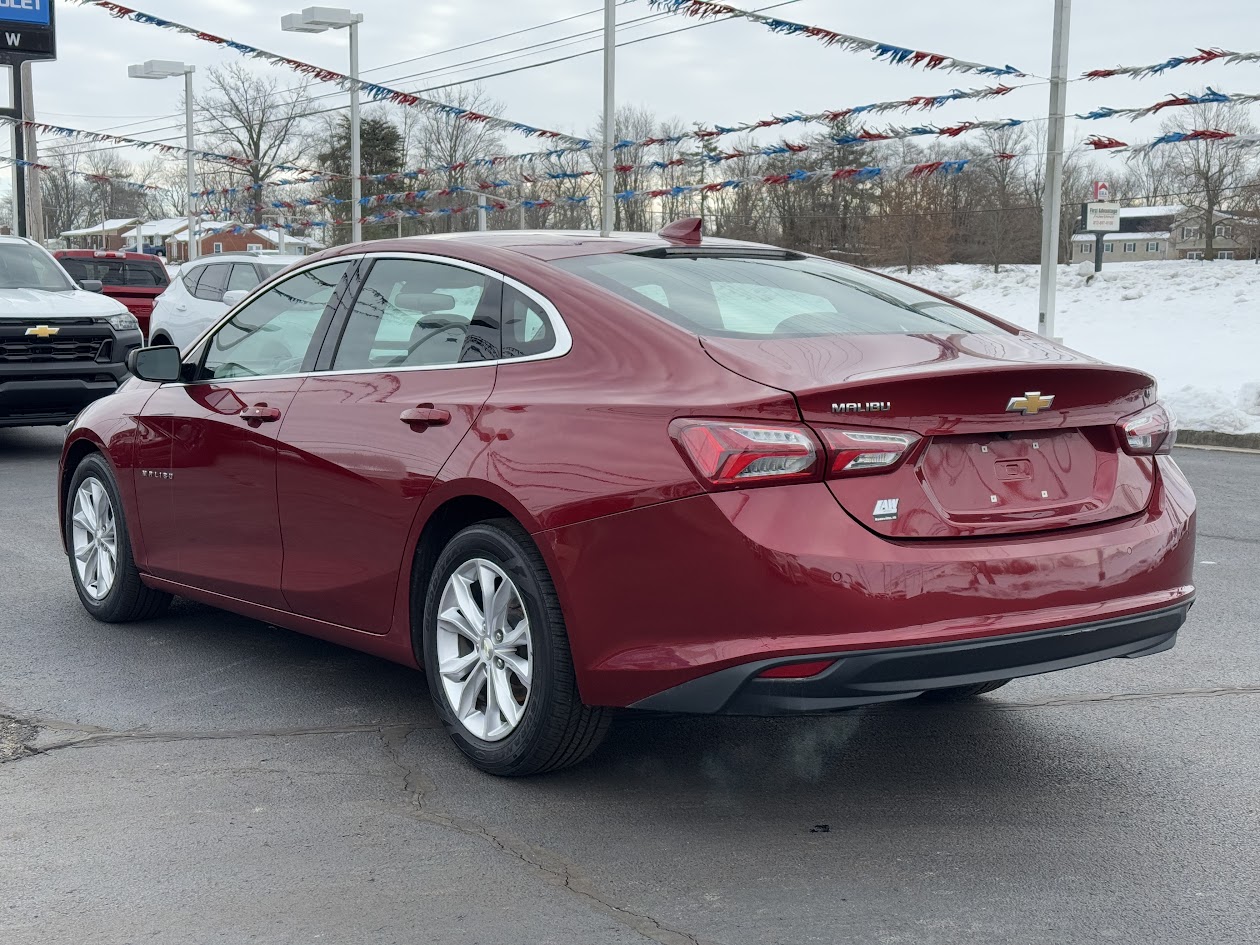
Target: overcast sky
[{"x": 724, "y": 72}]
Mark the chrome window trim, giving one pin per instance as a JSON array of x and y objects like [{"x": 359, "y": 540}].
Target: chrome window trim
[{"x": 562, "y": 346}]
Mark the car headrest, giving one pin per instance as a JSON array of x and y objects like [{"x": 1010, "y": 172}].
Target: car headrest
[{"x": 426, "y": 303}]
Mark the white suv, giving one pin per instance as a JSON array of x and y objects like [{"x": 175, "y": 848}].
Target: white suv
[{"x": 204, "y": 290}]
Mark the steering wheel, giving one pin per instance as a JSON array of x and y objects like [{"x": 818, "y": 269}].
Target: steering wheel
[{"x": 458, "y": 323}]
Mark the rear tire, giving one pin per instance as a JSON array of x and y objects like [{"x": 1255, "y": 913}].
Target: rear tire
[
  {"x": 962, "y": 693},
  {"x": 101, "y": 564},
  {"x": 503, "y": 683}
]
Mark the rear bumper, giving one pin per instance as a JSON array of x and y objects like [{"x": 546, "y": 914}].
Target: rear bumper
[
  {"x": 658, "y": 597},
  {"x": 870, "y": 676}
]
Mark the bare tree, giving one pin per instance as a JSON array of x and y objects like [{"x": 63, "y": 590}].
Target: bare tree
[
  {"x": 1209, "y": 171},
  {"x": 65, "y": 193},
  {"x": 249, "y": 115},
  {"x": 1002, "y": 224},
  {"x": 438, "y": 140}
]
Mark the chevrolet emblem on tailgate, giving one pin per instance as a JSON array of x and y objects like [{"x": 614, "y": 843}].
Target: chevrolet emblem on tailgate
[
  {"x": 43, "y": 331},
  {"x": 1031, "y": 403}
]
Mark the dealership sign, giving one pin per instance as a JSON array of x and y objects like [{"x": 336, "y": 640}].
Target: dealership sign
[
  {"x": 1102, "y": 217},
  {"x": 27, "y": 30}
]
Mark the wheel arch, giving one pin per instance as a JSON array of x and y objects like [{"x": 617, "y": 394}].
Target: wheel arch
[
  {"x": 448, "y": 516},
  {"x": 75, "y": 452}
]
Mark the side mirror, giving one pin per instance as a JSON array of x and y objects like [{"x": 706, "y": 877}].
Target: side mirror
[
  {"x": 92, "y": 285},
  {"x": 235, "y": 297},
  {"x": 161, "y": 363}
]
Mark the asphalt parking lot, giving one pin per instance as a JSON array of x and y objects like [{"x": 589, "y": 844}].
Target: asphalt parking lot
[{"x": 206, "y": 778}]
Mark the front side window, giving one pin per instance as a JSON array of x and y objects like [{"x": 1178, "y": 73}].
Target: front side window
[
  {"x": 1152, "y": 247},
  {"x": 23, "y": 266},
  {"x": 1108, "y": 247},
  {"x": 760, "y": 296},
  {"x": 272, "y": 334},
  {"x": 1087, "y": 249},
  {"x": 416, "y": 313},
  {"x": 1130, "y": 247}
]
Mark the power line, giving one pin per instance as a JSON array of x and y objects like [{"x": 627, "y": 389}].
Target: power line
[
  {"x": 432, "y": 55},
  {"x": 325, "y": 111},
  {"x": 340, "y": 92}
]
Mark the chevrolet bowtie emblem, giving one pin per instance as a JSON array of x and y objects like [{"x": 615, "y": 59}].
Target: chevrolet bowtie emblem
[
  {"x": 1031, "y": 403},
  {"x": 43, "y": 331}
]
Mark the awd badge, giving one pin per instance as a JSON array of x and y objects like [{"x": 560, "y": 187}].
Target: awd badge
[{"x": 886, "y": 510}]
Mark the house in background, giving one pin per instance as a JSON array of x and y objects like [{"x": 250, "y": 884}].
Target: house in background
[
  {"x": 220, "y": 238},
  {"x": 107, "y": 234},
  {"x": 1166, "y": 232},
  {"x": 156, "y": 235}
]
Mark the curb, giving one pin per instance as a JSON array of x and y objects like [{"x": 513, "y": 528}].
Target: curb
[{"x": 1239, "y": 441}]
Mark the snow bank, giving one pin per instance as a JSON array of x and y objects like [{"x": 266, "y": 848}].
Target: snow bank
[{"x": 1195, "y": 326}]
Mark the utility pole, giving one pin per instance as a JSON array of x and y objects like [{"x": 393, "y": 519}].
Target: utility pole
[
  {"x": 356, "y": 145},
  {"x": 1053, "y": 198},
  {"x": 34, "y": 193},
  {"x": 610, "y": 113},
  {"x": 190, "y": 166},
  {"x": 19, "y": 152}
]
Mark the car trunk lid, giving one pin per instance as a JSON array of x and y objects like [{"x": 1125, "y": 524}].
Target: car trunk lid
[{"x": 1017, "y": 434}]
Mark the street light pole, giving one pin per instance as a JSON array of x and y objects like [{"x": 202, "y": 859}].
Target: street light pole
[
  {"x": 166, "y": 69},
  {"x": 356, "y": 154},
  {"x": 610, "y": 108},
  {"x": 1052, "y": 200},
  {"x": 317, "y": 20},
  {"x": 191, "y": 162}
]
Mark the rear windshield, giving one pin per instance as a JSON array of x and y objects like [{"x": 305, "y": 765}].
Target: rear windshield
[
  {"x": 116, "y": 272},
  {"x": 745, "y": 296}
]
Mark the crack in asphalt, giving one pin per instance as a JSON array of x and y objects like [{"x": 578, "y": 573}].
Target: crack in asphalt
[
  {"x": 16, "y": 731},
  {"x": 418, "y": 789},
  {"x": 1235, "y": 538}
]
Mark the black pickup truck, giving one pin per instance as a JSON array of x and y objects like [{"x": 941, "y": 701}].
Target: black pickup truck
[{"x": 61, "y": 346}]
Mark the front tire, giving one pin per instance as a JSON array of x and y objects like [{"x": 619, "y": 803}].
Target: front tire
[
  {"x": 104, "y": 571},
  {"x": 497, "y": 658}
]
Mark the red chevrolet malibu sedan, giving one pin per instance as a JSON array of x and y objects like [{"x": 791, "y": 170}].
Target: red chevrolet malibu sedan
[{"x": 565, "y": 473}]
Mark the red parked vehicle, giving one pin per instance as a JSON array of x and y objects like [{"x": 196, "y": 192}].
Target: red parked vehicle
[
  {"x": 565, "y": 473},
  {"x": 135, "y": 279}
]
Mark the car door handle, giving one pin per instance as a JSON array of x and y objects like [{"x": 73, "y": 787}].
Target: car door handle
[
  {"x": 427, "y": 414},
  {"x": 260, "y": 413}
]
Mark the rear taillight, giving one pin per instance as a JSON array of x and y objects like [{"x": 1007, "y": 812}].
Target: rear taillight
[
  {"x": 732, "y": 455},
  {"x": 1148, "y": 433},
  {"x": 860, "y": 452}
]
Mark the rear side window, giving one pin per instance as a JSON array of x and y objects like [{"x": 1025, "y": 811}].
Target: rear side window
[
  {"x": 211, "y": 284},
  {"x": 527, "y": 329},
  {"x": 117, "y": 272},
  {"x": 244, "y": 277},
  {"x": 760, "y": 297}
]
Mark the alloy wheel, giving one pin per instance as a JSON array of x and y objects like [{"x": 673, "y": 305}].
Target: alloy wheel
[
  {"x": 94, "y": 537},
  {"x": 484, "y": 649}
]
